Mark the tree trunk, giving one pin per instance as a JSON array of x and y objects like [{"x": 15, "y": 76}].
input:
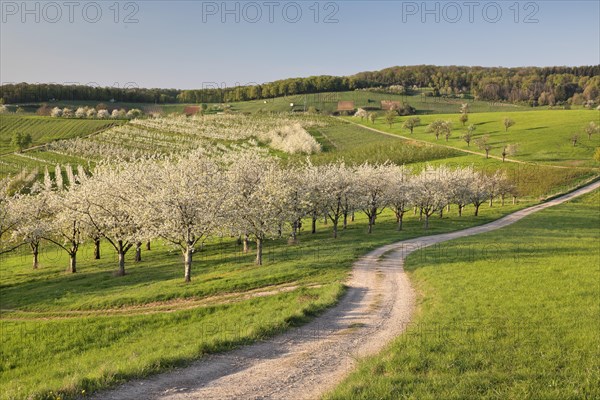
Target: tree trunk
[
  {"x": 427, "y": 221},
  {"x": 352, "y": 217},
  {"x": 73, "y": 263},
  {"x": 314, "y": 223},
  {"x": 477, "y": 209},
  {"x": 491, "y": 201},
  {"x": 294, "y": 230},
  {"x": 460, "y": 209},
  {"x": 400, "y": 218},
  {"x": 442, "y": 212},
  {"x": 97, "y": 249},
  {"x": 148, "y": 245},
  {"x": 502, "y": 200},
  {"x": 138, "y": 252},
  {"x": 246, "y": 244},
  {"x": 420, "y": 214},
  {"x": 259, "y": 251},
  {"x": 335, "y": 229},
  {"x": 121, "y": 271},
  {"x": 35, "y": 251},
  {"x": 514, "y": 201},
  {"x": 372, "y": 218},
  {"x": 187, "y": 263},
  {"x": 345, "y": 224}
]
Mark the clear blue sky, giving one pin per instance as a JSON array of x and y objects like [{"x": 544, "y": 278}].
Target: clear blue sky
[{"x": 186, "y": 44}]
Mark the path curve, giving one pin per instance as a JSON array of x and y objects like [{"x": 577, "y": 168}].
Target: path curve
[{"x": 308, "y": 361}]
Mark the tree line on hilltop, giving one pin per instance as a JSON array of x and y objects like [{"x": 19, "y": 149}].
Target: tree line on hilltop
[{"x": 530, "y": 85}]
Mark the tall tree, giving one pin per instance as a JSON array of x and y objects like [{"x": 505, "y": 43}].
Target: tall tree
[
  {"x": 440, "y": 127},
  {"x": 428, "y": 194},
  {"x": 372, "y": 188},
  {"x": 21, "y": 141},
  {"x": 508, "y": 122},
  {"x": 258, "y": 197},
  {"x": 68, "y": 228},
  {"x": 109, "y": 204},
  {"x": 591, "y": 129},
  {"x": 399, "y": 193},
  {"x": 9, "y": 216},
  {"x": 185, "y": 204},
  {"x": 34, "y": 222},
  {"x": 484, "y": 144},
  {"x": 411, "y": 123},
  {"x": 336, "y": 182},
  {"x": 390, "y": 117}
]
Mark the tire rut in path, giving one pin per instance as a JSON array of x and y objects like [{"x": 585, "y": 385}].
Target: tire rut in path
[{"x": 306, "y": 362}]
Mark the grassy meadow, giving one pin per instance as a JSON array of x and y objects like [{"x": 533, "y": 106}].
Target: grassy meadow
[
  {"x": 328, "y": 102},
  {"x": 541, "y": 136},
  {"x": 510, "y": 314},
  {"x": 66, "y": 333},
  {"x": 356, "y": 145}
]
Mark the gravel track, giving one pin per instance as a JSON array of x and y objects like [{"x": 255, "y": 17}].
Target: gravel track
[{"x": 306, "y": 362}]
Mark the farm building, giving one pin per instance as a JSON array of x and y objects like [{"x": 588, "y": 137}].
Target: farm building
[
  {"x": 191, "y": 110},
  {"x": 346, "y": 106}
]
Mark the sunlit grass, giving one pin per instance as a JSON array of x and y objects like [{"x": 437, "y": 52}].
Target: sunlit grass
[
  {"x": 46, "y": 347},
  {"x": 511, "y": 314}
]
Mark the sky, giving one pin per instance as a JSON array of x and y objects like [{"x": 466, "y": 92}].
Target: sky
[{"x": 198, "y": 44}]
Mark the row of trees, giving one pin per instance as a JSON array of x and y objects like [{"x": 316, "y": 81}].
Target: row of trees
[
  {"x": 535, "y": 85},
  {"x": 43, "y": 92},
  {"x": 243, "y": 194},
  {"x": 90, "y": 112}
]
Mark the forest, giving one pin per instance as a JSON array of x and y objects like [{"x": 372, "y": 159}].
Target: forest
[{"x": 527, "y": 85}]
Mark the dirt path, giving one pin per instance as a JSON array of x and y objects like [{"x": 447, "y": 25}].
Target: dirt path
[
  {"x": 308, "y": 361},
  {"x": 154, "y": 307}
]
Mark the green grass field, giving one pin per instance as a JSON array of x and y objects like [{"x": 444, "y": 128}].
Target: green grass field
[
  {"x": 327, "y": 103},
  {"x": 67, "y": 333},
  {"x": 511, "y": 314},
  {"x": 541, "y": 136},
  {"x": 46, "y": 129},
  {"x": 324, "y": 102},
  {"x": 356, "y": 145},
  {"x": 340, "y": 140},
  {"x": 64, "y": 333}
]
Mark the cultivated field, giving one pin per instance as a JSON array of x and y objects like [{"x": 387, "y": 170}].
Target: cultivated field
[{"x": 46, "y": 129}]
